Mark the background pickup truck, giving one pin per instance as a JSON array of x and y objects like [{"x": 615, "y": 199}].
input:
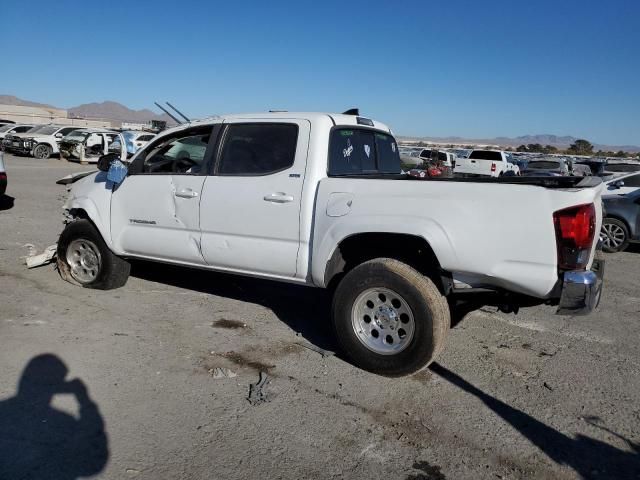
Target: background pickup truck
[
  {"x": 492, "y": 163},
  {"x": 318, "y": 199}
]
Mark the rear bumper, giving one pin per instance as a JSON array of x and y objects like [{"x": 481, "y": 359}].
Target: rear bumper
[{"x": 581, "y": 290}]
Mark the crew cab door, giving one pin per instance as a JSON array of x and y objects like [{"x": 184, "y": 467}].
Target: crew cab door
[
  {"x": 250, "y": 207},
  {"x": 155, "y": 212}
]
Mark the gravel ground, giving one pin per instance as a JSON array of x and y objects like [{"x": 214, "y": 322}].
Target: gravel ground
[{"x": 526, "y": 396}]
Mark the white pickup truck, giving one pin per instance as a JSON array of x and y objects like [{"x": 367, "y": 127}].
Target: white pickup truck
[
  {"x": 491, "y": 163},
  {"x": 319, "y": 200}
]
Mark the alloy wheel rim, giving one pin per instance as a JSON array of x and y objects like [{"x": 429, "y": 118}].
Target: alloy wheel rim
[
  {"x": 383, "y": 321},
  {"x": 84, "y": 260},
  {"x": 613, "y": 235}
]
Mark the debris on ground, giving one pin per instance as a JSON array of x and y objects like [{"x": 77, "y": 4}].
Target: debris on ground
[
  {"x": 312, "y": 347},
  {"x": 33, "y": 260},
  {"x": 257, "y": 392},
  {"x": 221, "y": 372}
]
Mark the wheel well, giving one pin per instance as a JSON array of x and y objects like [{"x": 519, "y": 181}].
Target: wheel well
[
  {"x": 620, "y": 219},
  {"x": 410, "y": 249}
]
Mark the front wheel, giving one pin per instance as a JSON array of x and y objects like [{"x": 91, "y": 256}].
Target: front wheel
[
  {"x": 389, "y": 318},
  {"x": 84, "y": 258},
  {"x": 615, "y": 235},
  {"x": 42, "y": 151}
]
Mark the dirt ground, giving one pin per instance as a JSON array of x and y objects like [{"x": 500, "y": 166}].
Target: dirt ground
[{"x": 527, "y": 396}]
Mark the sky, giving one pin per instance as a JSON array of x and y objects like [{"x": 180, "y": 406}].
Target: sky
[{"x": 475, "y": 69}]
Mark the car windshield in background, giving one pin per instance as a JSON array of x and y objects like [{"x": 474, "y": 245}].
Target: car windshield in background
[
  {"x": 37, "y": 129},
  {"x": 77, "y": 136},
  {"x": 543, "y": 165},
  {"x": 48, "y": 130},
  {"x": 485, "y": 155},
  {"x": 7, "y": 127}
]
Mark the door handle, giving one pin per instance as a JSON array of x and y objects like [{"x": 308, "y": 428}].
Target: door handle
[
  {"x": 278, "y": 197},
  {"x": 186, "y": 193}
]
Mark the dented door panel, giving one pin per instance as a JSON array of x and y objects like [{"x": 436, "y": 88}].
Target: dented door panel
[{"x": 157, "y": 216}]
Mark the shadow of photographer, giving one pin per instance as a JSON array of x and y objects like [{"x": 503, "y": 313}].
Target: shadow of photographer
[{"x": 39, "y": 441}]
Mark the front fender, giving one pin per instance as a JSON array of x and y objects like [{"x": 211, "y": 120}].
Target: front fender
[{"x": 92, "y": 195}]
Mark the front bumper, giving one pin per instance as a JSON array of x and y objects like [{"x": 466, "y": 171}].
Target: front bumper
[{"x": 581, "y": 290}]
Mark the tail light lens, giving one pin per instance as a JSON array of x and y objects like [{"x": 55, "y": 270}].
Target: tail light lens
[
  {"x": 575, "y": 231},
  {"x": 3, "y": 176},
  {"x": 493, "y": 167}
]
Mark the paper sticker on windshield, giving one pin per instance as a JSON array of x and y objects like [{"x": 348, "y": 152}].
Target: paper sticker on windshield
[
  {"x": 346, "y": 152},
  {"x": 367, "y": 150},
  {"x": 393, "y": 147}
]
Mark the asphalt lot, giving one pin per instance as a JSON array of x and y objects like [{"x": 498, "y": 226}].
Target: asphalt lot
[{"x": 526, "y": 396}]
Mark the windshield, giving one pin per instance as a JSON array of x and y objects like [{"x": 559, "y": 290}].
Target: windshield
[
  {"x": 6, "y": 128},
  {"x": 47, "y": 130},
  {"x": 77, "y": 136},
  {"x": 543, "y": 165},
  {"x": 36, "y": 129}
]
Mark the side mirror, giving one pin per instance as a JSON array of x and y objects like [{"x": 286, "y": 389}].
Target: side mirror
[
  {"x": 616, "y": 185},
  {"x": 59, "y": 135},
  {"x": 104, "y": 162}
]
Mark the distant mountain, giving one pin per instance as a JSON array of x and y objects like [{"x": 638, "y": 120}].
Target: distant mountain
[
  {"x": 109, "y": 110},
  {"x": 117, "y": 112},
  {"x": 11, "y": 100},
  {"x": 560, "y": 142}
]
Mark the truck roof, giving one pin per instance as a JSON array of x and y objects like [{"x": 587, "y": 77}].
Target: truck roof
[{"x": 336, "y": 118}]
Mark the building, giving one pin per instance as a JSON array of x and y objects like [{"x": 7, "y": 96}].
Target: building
[{"x": 44, "y": 115}]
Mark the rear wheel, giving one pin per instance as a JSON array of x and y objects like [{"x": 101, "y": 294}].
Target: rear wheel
[
  {"x": 389, "y": 318},
  {"x": 615, "y": 235},
  {"x": 42, "y": 151},
  {"x": 84, "y": 258}
]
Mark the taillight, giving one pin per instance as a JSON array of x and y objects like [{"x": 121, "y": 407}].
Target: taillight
[
  {"x": 493, "y": 167},
  {"x": 3, "y": 176},
  {"x": 575, "y": 231}
]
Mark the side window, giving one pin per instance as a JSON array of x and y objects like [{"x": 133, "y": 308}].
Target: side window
[
  {"x": 181, "y": 153},
  {"x": 632, "y": 181},
  {"x": 67, "y": 131},
  {"x": 22, "y": 129},
  {"x": 357, "y": 151},
  {"x": 258, "y": 149}
]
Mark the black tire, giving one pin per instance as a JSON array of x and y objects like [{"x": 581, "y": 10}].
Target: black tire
[
  {"x": 620, "y": 244},
  {"x": 431, "y": 316},
  {"x": 42, "y": 151},
  {"x": 111, "y": 270}
]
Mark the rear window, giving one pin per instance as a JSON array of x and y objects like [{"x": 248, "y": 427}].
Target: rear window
[
  {"x": 543, "y": 165},
  {"x": 485, "y": 155},
  {"x": 355, "y": 151}
]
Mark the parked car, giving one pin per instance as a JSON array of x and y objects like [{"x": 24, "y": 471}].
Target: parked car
[
  {"x": 3, "y": 176},
  {"x": 136, "y": 140},
  {"x": 13, "y": 142},
  {"x": 622, "y": 167},
  {"x": 318, "y": 200},
  {"x": 10, "y": 129},
  {"x": 621, "y": 224},
  {"x": 87, "y": 145},
  {"x": 622, "y": 184},
  {"x": 551, "y": 167},
  {"x": 41, "y": 143},
  {"x": 492, "y": 163}
]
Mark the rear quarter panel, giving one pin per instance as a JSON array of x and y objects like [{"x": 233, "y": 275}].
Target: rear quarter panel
[{"x": 500, "y": 234}]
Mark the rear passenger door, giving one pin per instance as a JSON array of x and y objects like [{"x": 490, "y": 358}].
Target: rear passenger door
[{"x": 250, "y": 206}]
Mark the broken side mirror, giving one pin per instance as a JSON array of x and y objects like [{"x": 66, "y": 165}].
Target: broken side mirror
[{"x": 104, "y": 162}]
